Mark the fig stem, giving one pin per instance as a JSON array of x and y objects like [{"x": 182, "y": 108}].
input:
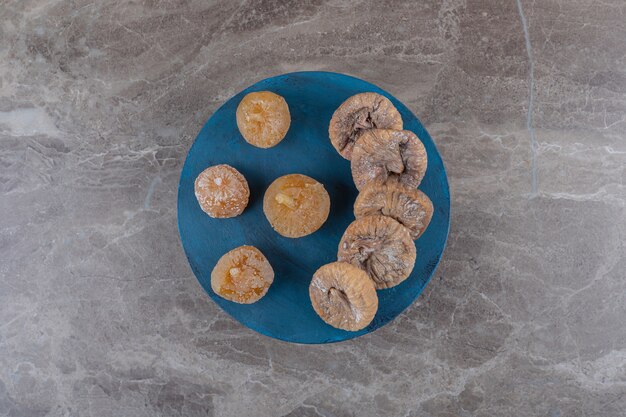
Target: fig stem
[
  {"x": 285, "y": 200},
  {"x": 337, "y": 295}
]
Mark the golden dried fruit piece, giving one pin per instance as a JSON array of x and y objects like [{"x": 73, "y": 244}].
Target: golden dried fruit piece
[
  {"x": 357, "y": 114},
  {"x": 343, "y": 296},
  {"x": 296, "y": 205},
  {"x": 222, "y": 191},
  {"x": 388, "y": 156},
  {"x": 242, "y": 275},
  {"x": 380, "y": 246},
  {"x": 408, "y": 206},
  {"x": 263, "y": 118}
]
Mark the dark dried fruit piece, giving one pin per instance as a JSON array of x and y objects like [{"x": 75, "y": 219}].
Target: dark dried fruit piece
[
  {"x": 343, "y": 296},
  {"x": 409, "y": 206},
  {"x": 380, "y": 246},
  {"x": 263, "y": 118},
  {"x": 358, "y": 114},
  {"x": 386, "y": 156},
  {"x": 242, "y": 275},
  {"x": 296, "y": 205},
  {"x": 222, "y": 191}
]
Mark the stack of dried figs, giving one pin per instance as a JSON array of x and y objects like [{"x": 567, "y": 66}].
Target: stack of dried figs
[{"x": 377, "y": 249}]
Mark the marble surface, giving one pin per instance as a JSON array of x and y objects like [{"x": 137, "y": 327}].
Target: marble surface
[{"x": 100, "y": 314}]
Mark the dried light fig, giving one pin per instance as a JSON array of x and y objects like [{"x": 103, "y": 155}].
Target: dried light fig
[
  {"x": 263, "y": 118},
  {"x": 388, "y": 156},
  {"x": 380, "y": 246},
  {"x": 358, "y": 114},
  {"x": 242, "y": 275},
  {"x": 409, "y": 206},
  {"x": 343, "y": 296},
  {"x": 296, "y": 205},
  {"x": 222, "y": 191}
]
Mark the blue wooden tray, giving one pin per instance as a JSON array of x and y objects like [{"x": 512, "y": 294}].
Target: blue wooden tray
[{"x": 285, "y": 312}]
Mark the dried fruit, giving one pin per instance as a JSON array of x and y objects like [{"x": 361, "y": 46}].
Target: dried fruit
[
  {"x": 357, "y": 114},
  {"x": 296, "y": 205},
  {"x": 388, "y": 156},
  {"x": 343, "y": 296},
  {"x": 242, "y": 275},
  {"x": 409, "y": 206},
  {"x": 222, "y": 191},
  {"x": 380, "y": 246},
  {"x": 263, "y": 118}
]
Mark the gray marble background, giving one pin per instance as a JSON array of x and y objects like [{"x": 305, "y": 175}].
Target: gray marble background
[{"x": 100, "y": 314}]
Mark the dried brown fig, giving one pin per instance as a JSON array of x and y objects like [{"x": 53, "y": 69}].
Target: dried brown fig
[
  {"x": 263, "y": 118},
  {"x": 222, "y": 191},
  {"x": 296, "y": 205},
  {"x": 242, "y": 275},
  {"x": 380, "y": 246},
  {"x": 388, "y": 156},
  {"x": 409, "y": 206},
  {"x": 343, "y": 296},
  {"x": 357, "y": 114}
]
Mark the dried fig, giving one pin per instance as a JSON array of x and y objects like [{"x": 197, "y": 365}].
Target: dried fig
[
  {"x": 296, "y": 205},
  {"x": 388, "y": 156},
  {"x": 343, "y": 296},
  {"x": 242, "y": 275},
  {"x": 409, "y": 206},
  {"x": 380, "y": 246},
  {"x": 222, "y": 191},
  {"x": 263, "y": 118},
  {"x": 357, "y": 114}
]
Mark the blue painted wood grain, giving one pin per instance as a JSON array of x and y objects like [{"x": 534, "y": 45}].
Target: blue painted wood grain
[{"x": 285, "y": 312}]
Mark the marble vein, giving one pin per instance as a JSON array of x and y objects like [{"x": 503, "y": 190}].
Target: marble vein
[{"x": 531, "y": 101}]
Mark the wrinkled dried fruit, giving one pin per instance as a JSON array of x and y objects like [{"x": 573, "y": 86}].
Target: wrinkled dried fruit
[
  {"x": 242, "y": 275},
  {"x": 357, "y": 114},
  {"x": 222, "y": 191},
  {"x": 380, "y": 246},
  {"x": 388, "y": 156},
  {"x": 296, "y": 205},
  {"x": 409, "y": 206},
  {"x": 263, "y": 118},
  {"x": 343, "y": 296}
]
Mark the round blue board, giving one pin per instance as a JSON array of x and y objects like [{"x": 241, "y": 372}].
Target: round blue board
[{"x": 285, "y": 312}]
